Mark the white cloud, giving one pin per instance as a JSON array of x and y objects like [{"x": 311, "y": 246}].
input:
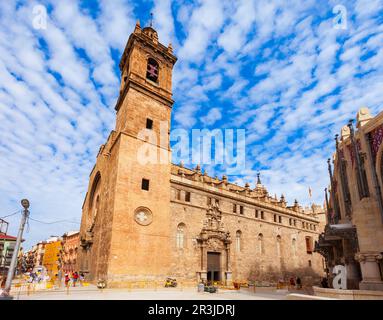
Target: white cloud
[
  {"x": 205, "y": 20},
  {"x": 277, "y": 68},
  {"x": 212, "y": 116},
  {"x": 115, "y": 22},
  {"x": 163, "y": 22},
  {"x": 185, "y": 115},
  {"x": 234, "y": 35}
]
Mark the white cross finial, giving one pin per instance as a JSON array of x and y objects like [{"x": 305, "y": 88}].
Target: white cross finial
[{"x": 141, "y": 216}]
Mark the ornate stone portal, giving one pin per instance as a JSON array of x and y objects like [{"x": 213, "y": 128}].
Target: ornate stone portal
[{"x": 214, "y": 240}]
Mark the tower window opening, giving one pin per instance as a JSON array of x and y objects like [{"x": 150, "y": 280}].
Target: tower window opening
[
  {"x": 149, "y": 124},
  {"x": 238, "y": 241},
  {"x": 145, "y": 184},
  {"x": 152, "y": 70},
  {"x": 309, "y": 245}
]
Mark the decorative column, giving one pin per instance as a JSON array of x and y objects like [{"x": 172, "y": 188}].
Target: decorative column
[
  {"x": 203, "y": 261},
  {"x": 343, "y": 179},
  {"x": 328, "y": 215},
  {"x": 335, "y": 208},
  {"x": 228, "y": 268},
  {"x": 369, "y": 264}
]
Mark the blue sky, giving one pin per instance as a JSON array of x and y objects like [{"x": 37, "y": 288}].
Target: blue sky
[{"x": 278, "y": 69}]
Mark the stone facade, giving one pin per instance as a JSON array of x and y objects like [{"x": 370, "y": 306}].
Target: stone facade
[
  {"x": 354, "y": 232},
  {"x": 71, "y": 242},
  {"x": 38, "y": 250},
  {"x": 148, "y": 221}
]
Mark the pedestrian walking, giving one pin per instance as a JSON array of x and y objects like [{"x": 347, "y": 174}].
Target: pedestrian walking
[
  {"x": 292, "y": 283},
  {"x": 67, "y": 280},
  {"x": 324, "y": 283},
  {"x": 75, "y": 278},
  {"x": 82, "y": 279},
  {"x": 299, "y": 283}
]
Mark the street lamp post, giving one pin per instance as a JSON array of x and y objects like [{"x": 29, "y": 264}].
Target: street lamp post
[{"x": 12, "y": 267}]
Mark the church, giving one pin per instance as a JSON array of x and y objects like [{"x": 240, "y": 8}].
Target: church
[{"x": 158, "y": 220}]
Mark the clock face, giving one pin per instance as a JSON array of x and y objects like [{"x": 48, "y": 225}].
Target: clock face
[{"x": 143, "y": 216}]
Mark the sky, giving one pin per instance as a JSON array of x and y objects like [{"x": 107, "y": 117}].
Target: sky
[{"x": 291, "y": 73}]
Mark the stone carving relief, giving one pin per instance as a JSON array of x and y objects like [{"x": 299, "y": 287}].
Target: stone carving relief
[
  {"x": 213, "y": 231},
  {"x": 214, "y": 244},
  {"x": 143, "y": 216}
]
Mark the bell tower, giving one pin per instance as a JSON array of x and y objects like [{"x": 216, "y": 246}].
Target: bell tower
[
  {"x": 140, "y": 233},
  {"x": 146, "y": 74}
]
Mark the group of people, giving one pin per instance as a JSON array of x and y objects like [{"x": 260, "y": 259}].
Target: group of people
[
  {"x": 295, "y": 283},
  {"x": 37, "y": 277},
  {"x": 74, "y": 277}
]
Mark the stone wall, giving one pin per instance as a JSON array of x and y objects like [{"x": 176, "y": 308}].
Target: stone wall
[
  {"x": 348, "y": 294},
  {"x": 254, "y": 261}
]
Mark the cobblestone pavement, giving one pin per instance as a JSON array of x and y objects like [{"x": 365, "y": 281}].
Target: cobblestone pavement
[{"x": 92, "y": 293}]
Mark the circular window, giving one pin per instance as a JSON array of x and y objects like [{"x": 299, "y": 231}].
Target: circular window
[{"x": 143, "y": 216}]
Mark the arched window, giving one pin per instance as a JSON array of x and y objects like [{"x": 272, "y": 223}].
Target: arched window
[
  {"x": 278, "y": 245},
  {"x": 97, "y": 206},
  {"x": 260, "y": 244},
  {"x": 178, "y": 194},
  {"x": 94, "y": 199},
  {"x": 294, "y": 246},
  {"x": 180, "y": 237},
  {"x": 94, "y": 189},
  {"x": 238, "y": 237},
  {"x": 152, "y": 70}
]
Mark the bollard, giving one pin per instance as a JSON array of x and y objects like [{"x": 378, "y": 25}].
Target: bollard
[{"x": 18, "y": 295}]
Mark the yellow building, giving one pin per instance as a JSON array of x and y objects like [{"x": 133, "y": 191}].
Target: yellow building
[{"x": 51, "y": 260}]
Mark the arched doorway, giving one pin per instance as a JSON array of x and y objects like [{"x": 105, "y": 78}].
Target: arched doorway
[{"x": 214, "y": 243}]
